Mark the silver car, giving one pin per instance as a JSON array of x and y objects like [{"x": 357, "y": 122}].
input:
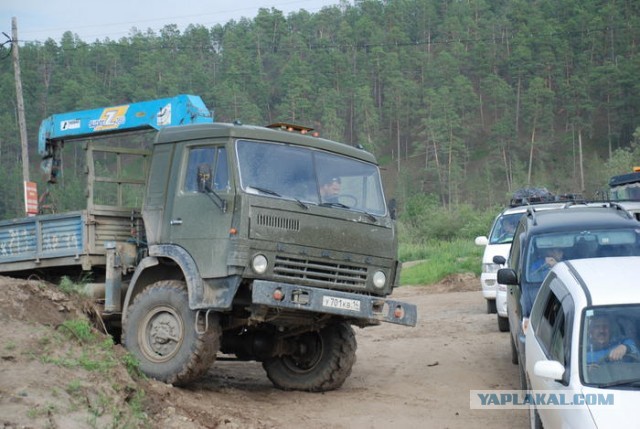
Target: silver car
[{"x": 582, "y": 345}]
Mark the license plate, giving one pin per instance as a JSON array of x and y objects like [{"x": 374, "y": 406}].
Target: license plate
[{"x": 341, "y": 303}]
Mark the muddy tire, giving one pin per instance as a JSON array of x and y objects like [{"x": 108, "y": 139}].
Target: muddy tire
[
  {"x": 322, "y": 362},
  {"x": 160, "y": 332}
]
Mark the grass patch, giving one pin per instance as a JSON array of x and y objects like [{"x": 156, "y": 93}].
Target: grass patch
[
  {"x": 70, "y": 287},
  {"x": 440, "y": 259}
]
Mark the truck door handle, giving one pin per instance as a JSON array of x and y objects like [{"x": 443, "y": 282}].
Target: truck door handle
[{"x": 175, "y": 221}]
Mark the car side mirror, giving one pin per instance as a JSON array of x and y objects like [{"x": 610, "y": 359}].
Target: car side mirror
[
  {"x": 507, "y": 276},
  {"x": 482, "y": 241},
  {"x": 551, "y": 369},
  {"x": 499, "y": 259}
]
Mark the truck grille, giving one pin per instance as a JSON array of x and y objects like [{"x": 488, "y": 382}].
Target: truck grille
[{"x": 323, "y": 272}]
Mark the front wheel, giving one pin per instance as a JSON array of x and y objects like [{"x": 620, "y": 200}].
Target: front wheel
[
  {"x": 160, "y": 331},
  {"x": 321, "y": 360}
]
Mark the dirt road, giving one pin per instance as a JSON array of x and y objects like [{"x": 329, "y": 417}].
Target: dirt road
[{"x": 404, "y": 377}]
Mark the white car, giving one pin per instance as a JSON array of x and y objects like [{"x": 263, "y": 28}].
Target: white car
[
  {"x": 498, "y": 243},
  {"x": 582, "y": 345}
]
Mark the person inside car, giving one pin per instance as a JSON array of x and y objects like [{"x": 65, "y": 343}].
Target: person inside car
[
  {"x": 603, "y": 346},
  {"x": 541, "y": 267},
  {"x": 537, "y": 272},
  {"x": 508, "y": 228},
  {"x": 330, "y": 189}
]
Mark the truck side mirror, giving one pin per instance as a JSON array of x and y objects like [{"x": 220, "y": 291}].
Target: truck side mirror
[
  {"x": 204, "y": 177},
  {"x": 392, "y": 207}
]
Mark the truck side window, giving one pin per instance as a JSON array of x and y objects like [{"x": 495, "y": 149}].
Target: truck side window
[
  {"x": 221, "y": 174},
  {"x": 216, "y": 159}
]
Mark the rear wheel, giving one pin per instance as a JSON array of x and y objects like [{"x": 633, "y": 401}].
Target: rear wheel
[
  {"x": 321, "y": 361},
  {"x": 491, "y": 306},
  {"x": 160, "y": 331},
  {"x": 503, "y": 324}
]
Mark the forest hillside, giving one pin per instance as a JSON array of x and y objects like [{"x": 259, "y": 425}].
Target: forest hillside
[{"x": 461, "y": 101}]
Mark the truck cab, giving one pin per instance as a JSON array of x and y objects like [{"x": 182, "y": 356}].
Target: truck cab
[{"x": 263, "y": 243}]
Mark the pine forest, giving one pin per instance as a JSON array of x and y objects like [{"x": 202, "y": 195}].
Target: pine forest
[{"x": 461, "y": 101}]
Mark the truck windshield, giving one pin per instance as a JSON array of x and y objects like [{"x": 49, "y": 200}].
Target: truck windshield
[
  {"x": 627, "y": 192},
  {"x": 310, "y": 176}
]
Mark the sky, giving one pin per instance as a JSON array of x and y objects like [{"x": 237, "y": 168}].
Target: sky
[{"x": 91, "y": 20}]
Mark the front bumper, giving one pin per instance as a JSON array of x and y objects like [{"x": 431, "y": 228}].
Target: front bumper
[
  {"x": 327, "y": 301},
  {"x": 489, "y": 283}
]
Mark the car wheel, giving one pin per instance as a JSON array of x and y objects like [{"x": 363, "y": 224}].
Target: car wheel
[
  {"x": 491, "y": 306},
  {"x": 503, "y": 324},
  {"x": 514, "y": 352},
  {"x": 322, "y": 360}
]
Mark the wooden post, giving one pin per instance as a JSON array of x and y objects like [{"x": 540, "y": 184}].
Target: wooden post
[{"x": 21, "y": 120}]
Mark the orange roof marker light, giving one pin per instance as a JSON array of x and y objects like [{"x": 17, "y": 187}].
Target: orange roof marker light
[{"x": 284, "y": 126}]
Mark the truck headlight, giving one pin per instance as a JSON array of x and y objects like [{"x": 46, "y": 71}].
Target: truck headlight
[
  {"x": 259, "y": 264},
  {"x": 379, "y": 279}
]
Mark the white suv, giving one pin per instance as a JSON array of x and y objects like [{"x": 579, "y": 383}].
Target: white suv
[
  {"x": 498, "y": 244},
  {"x": 582, "y": 344}
]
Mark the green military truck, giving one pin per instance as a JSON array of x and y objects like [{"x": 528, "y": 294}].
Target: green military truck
[{"x": 263, "y": 243}]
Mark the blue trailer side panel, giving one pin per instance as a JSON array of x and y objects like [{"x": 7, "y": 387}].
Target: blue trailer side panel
[{"x": 40, "y": 237}]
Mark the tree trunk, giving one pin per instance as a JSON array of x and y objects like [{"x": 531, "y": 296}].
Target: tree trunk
[
  {"x": 533, "y": 139},
  {"x": 580, "y": 160}
]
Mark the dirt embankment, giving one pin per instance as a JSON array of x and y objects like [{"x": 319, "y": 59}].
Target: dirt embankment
[{"x": 404, "y": 377}]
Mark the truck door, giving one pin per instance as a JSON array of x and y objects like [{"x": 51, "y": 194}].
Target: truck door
[{"x": 197, "y": 224}]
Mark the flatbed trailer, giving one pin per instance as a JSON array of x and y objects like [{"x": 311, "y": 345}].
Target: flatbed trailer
[{"x": 70, "y": 239}]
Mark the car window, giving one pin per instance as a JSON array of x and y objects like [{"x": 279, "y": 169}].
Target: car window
[
  {"x": 516, "y": 247},
  {"x": 578, "y": 244},
  {"x": 504, "y": 228},
  {"x": 549, "y": 322},
  {"x": 605, "y": 329}
]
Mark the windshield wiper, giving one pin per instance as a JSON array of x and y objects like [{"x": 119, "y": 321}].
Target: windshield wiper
[
  {"x": 369, "y": 216},
  {"x": 617, "y": 383},
  {"x": 266, "y": 191},
  {"x": 328, "y": 204},
  {"x": 275, "y": 194},
  {"x": 301, "y": 204}
]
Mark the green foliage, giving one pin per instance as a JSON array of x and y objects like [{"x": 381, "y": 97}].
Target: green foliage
[
  {"x": 133, "y": 366},
  {"x": 442, "y": 258},
  {"x": 70, "y": 287},
  {"x": 425, "y": 85},
  {"x": 423, "y": 219},
  {"x": 80, "y": 329}
]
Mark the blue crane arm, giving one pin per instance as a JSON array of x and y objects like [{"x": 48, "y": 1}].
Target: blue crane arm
[{"x": 154, "y": 114}]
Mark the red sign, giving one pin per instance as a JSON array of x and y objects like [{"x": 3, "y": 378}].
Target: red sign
[{"x": 31, "y": 198}]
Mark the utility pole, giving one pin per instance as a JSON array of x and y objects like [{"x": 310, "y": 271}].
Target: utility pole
[{"x": 21, "y": 119}]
